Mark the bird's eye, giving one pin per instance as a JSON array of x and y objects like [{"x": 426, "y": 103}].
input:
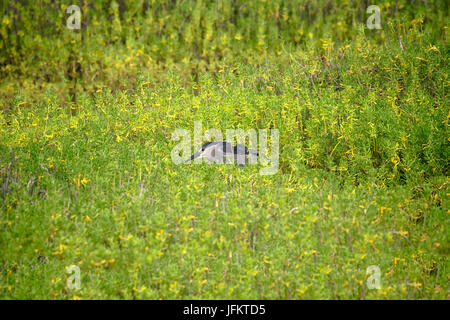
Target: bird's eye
[{"x": 203, "y": 149}]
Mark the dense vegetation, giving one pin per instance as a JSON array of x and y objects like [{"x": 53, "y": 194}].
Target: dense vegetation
[{"x": 86, "y": 176}]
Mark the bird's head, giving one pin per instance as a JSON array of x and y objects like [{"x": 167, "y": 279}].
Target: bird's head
[{"x": 206, "y": 151}]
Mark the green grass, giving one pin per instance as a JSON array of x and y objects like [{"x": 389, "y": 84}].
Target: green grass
[
  {"x": 86, "y": 176},
  {"x": 98, "y": 189}
]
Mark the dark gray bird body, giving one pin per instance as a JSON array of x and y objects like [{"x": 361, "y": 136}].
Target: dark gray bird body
[{"x": 225, "y": 152}]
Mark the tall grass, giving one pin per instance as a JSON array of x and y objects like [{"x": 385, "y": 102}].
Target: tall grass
[{"x": 86, "y": 176}]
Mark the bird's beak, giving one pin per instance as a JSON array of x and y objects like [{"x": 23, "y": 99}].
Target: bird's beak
[{"x": 195, "y": 155}]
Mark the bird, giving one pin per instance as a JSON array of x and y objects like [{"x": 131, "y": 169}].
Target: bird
[{"x": 224, "y": 152}]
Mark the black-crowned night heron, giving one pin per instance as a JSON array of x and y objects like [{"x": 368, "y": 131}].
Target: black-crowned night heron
[{"x": 224, "y": 152}]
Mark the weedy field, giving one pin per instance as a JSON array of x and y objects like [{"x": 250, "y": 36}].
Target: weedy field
[{"x": 87, "y": 179}]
